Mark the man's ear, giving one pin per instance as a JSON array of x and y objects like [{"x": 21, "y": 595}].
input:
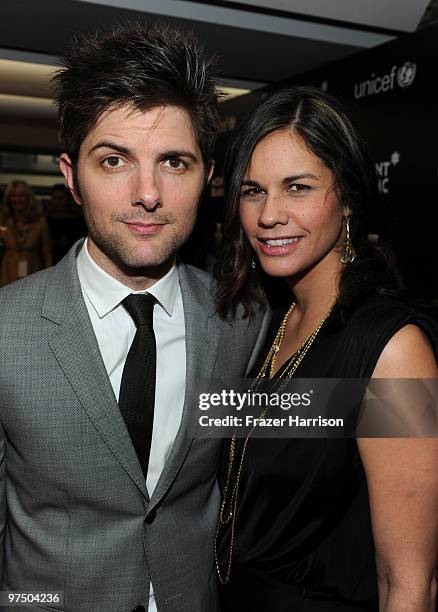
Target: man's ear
[
  {"x": 210, "y": 172},
  {"x": 66, "y": 167}
]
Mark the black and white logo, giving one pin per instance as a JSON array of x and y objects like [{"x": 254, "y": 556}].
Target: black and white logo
[
  {"x": 403, "y": 76},
  {"x": 406, "y": 74},
  {"x": 384, "y": 169}
]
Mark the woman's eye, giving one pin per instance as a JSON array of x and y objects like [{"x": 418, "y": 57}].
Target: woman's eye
[
  {"x": 113, "y": 161},
  {"x": 252, "y": 192},
  {"x": 298, "y": 188}
]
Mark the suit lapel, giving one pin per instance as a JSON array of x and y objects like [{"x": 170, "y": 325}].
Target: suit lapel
[
  {"x": 75, "y": 347},
  {"x": 202, "y": 340},
  {"x": 260, "y": 342}
]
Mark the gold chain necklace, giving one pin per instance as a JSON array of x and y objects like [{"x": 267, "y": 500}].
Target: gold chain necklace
[{"x": 285, "y": 375}]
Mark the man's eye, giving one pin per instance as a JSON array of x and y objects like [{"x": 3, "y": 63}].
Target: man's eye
[
  {"x": 175, "y": 164},
  {"x": 113, "y": 161}
]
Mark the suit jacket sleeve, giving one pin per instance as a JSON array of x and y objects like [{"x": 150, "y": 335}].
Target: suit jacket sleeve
[{"x": 2, "y": 495}]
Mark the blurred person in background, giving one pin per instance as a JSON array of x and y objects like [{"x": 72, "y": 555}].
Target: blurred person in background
[
  {"x": 66, "y": 224},
  {"x": 24, "y": 233}
]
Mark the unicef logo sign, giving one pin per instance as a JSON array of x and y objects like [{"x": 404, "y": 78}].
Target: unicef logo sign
[
  {"x": 402, "y": 76},
  {"x": 406, "y": 74}
]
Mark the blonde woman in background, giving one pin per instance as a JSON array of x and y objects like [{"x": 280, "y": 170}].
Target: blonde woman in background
[{"x": 24, "y": 233}]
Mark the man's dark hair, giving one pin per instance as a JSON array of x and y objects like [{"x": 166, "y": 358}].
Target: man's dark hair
[{"x": 145, "y": 65}]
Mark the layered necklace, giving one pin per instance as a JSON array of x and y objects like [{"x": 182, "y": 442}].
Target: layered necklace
[{"x": 228, "y": 508}]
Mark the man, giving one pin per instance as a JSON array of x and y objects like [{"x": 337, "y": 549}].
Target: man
[{"x": 105, "y": 495}]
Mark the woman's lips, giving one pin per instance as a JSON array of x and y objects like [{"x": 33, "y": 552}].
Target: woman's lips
[{"x": 278, "y": 247}]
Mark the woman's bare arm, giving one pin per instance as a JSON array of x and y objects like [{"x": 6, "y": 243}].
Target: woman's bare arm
[{"x": 402, "y": 476}]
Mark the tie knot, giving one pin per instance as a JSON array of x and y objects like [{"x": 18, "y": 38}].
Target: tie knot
[{"x": 140, "y": 306}]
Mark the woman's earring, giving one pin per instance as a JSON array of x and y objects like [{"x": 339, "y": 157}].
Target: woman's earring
[
  {"x": 253, "y": 264},
  {"x": 348, "y": 254}
]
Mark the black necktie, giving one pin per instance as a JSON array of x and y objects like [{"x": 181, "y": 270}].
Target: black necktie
[{"x": 137, "y": 389}]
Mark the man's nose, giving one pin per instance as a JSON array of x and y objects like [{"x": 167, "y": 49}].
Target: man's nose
[
  {"x": 273, "y": 212},
  {"x": 146, "y": 191}
]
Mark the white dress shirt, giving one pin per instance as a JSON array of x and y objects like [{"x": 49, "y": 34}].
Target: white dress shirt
[{"x": 115, "y": 331}]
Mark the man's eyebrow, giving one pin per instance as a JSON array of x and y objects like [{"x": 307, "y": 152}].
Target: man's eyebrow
[
  {"x": 107, "y": 144},
  {"x": 179, "y": 153}
]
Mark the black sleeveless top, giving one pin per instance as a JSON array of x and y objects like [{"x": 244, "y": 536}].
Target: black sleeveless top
[{"x": 303, "y": 539}]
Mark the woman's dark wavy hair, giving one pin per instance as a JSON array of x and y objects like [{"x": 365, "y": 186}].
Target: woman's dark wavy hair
[{"x": 324, "y": 126}]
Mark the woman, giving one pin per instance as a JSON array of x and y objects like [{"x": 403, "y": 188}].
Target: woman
[
  {"x": 309, "y": 525},
  {"x": 24, "y": 233}
]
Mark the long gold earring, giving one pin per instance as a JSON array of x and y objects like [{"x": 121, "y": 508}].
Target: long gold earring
[{"x": 348, "y": 254}]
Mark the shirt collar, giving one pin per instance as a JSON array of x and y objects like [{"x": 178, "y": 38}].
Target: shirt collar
[{"x": 105, "y": 292}]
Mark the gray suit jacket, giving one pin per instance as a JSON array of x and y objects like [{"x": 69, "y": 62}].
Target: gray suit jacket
[{"x": 75, "y": 515}]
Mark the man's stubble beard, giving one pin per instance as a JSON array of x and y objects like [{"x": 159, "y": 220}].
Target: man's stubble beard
[{"x": 117, "y": 251}]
